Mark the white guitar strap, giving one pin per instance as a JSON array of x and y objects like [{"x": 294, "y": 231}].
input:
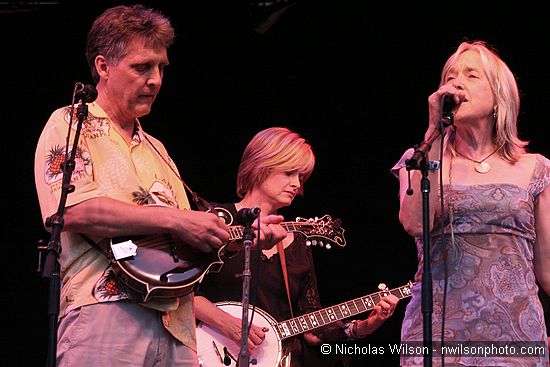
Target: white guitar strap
[{"x": 281, "y": 250}]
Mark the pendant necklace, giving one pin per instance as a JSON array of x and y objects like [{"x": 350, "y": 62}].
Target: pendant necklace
[{"x": 480, "y": 166}]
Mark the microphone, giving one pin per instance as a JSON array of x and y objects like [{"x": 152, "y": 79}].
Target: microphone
[
  {"x": 245, "y": 216},
  {"x": 448, "y": 104},
  {"x": 86, "y": 92}
]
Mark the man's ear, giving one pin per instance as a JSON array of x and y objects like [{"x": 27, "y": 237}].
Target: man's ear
[{"x": 101, "y": 67}]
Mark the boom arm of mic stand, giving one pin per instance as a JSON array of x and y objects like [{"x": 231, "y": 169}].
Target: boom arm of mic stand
[{"x": 422, "y": 150}]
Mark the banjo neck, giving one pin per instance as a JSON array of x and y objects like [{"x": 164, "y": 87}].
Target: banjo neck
[{"x": 319, "y": 318}]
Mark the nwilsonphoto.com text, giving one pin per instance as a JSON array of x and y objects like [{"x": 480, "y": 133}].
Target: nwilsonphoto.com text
[{"x": 466, "y": 349}]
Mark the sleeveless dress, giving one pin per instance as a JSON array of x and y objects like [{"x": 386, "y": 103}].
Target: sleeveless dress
[{"x": 492, "y": 296}]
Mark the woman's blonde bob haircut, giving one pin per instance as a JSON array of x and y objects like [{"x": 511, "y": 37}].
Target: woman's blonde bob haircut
[{"x": 275, "y": 148}]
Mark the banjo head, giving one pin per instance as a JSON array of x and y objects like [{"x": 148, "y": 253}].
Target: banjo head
[{"x": 211, "y": 343}]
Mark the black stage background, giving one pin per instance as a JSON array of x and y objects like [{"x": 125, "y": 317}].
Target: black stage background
[{"x": 353, "y": 78}]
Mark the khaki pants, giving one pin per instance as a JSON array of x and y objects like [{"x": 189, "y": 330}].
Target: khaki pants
[{"x": 119, "y": 334}]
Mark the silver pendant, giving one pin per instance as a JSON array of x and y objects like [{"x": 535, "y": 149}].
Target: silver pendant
[{"x": 482, "y": 167}]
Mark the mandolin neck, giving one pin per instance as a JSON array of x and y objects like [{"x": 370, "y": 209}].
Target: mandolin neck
[{"x": 237, "y": 232}]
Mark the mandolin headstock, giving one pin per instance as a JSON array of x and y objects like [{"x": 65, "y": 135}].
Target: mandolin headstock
[{"x": 322, "y": 232}]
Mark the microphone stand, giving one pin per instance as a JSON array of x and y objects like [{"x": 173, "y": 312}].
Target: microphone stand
[
  {"x": 52, "y": 267},
  {"x": 248, "y": 237},
  {"x": 419, "y": 161}
]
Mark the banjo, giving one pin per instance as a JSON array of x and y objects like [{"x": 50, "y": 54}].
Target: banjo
[{"x": 216, "y": 350}]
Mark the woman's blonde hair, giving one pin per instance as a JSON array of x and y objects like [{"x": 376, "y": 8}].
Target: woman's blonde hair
[
  {"x": 275, "y": 148},
  {"x": 506, "y": 94}
]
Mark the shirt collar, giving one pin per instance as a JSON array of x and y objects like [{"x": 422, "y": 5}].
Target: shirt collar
[{"x": 98, "y": 112}]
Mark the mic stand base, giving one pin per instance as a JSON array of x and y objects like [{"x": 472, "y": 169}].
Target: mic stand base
[{"x": 53, "y": 312}]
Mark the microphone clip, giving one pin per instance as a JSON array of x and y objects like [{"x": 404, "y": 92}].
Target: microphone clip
[
  {"x": 86, "y": 93},
  {"x": 246, "y": 216}
]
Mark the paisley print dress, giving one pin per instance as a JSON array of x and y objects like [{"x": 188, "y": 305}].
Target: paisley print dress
[{"x": 491, "y": 299}]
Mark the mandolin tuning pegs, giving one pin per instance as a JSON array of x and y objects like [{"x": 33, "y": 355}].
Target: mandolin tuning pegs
[
  {"x": 328, "y": 246},
  {"x": 308, "y": 243}
]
